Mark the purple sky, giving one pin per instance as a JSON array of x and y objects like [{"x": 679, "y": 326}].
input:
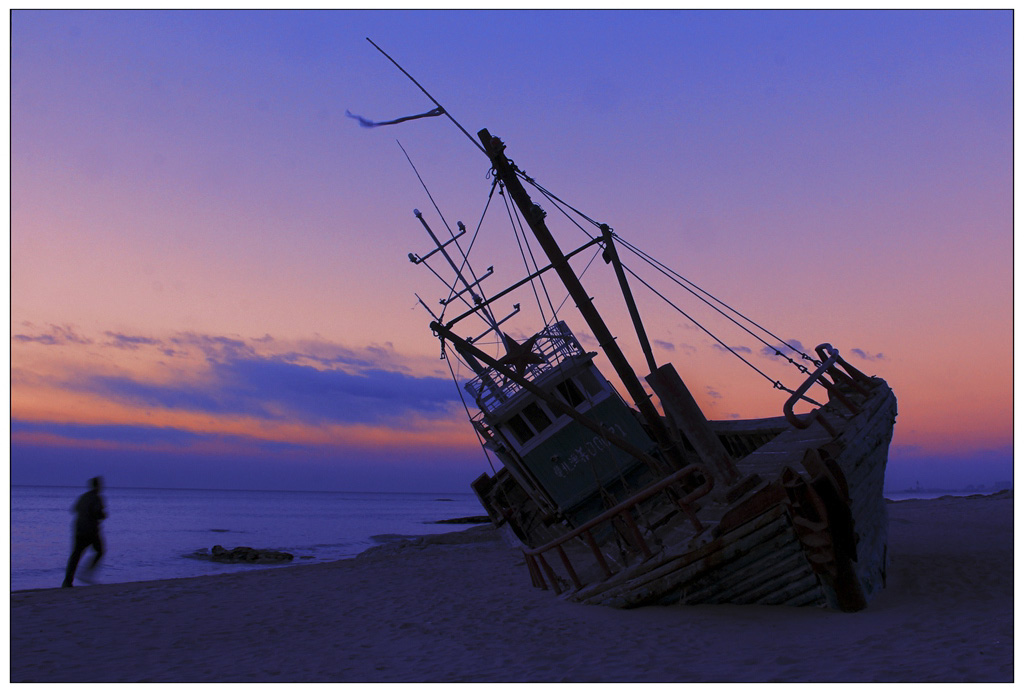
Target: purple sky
[{"x": 208, "y": 258}]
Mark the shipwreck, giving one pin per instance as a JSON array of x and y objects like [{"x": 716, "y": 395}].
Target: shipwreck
[{"x": 636, "y": 498}]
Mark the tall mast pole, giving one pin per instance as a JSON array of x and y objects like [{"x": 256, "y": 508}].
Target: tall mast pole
[
  {"x": 612, "y": 255},
  {"x": 534, "y": 216}
]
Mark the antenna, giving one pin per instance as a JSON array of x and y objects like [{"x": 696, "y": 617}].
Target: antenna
[{"x": 460, "y": 278}]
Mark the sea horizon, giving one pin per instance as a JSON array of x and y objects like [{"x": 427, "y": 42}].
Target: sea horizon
[
  {"x": 83, "y": 487},
  {"x": 887, "y": 492},
  {"x": 161, "y": 533}
]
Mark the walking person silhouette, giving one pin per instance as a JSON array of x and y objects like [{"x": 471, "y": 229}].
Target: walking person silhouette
[{"x": 90, "y": 511}]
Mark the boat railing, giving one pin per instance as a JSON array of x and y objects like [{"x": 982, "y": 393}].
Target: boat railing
[
  {"x": 854, "y": 379},
  {"x": 554, "y": 344},
  {"x": 539, "y": 567}
]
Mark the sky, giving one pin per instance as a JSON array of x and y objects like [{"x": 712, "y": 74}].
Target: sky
[{"x": 210, "y": 284}]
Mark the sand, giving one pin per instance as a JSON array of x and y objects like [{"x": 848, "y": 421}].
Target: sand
[{"x": 460, "y": 607}]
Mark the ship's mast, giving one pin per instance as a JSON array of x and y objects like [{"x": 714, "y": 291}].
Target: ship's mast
[{"x": 534, "y": 217}]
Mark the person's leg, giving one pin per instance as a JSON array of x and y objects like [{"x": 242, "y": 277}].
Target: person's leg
[
  {"x": 97, "y": 545},
  {"x": 76, "y": 555}
]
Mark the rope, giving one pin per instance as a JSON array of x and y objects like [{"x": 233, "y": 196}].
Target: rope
[
  {"x": 680, "y": 280},
  {"x": 558, "y": 204},
  {"x": 685, "y": 283},
  {"x": 517, "y": 228},
  {"x": 552, "y": 197},
  {"x": 479, "y": 437},
  {"x": 424, "y": 185},
  {"x": 775, "y": 383},
  {"x": 596, "y": 254},
  {"x": 465, "y": 255},
  {"x": 435, "y": 101},
  {"x": 561, "y": 205}
]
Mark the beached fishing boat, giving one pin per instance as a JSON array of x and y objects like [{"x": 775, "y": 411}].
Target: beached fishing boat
[{"x": 640, "y": 499}]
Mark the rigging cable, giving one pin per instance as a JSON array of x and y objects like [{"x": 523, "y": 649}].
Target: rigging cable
[
  {"x": 465, "y": 255},
  {"x": 436, "y": 103},
  {"x": 547, "y": 193},
  {"x": 679, "y": 280},
  {"x": 674, "y": 276},
  {"x": 522, "y": 174},
  {"x": 558, "y": 204},
  {"x": 682, "y": 281},
  {"x": 775, "y": 383},
  {"x": 441, "y": 279},
  {"x": 517, "y": 228},
  {"x": 465, "y": 259},
  {"x": 420, "y": 178},
  {"x": 597, "y": 253},
  {"x": 462, "y": 398},
  {"x": 802, "y": 368}
]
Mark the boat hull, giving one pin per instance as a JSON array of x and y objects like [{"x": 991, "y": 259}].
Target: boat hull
[{"x": 813, "y": 532}]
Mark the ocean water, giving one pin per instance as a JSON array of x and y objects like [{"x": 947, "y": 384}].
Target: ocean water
[
  {"x": 936, "y": 494},
  {"x": 150, "y": 533}
]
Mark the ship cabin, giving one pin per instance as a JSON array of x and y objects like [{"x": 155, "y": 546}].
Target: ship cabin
[{"x": 569, "y": 471}]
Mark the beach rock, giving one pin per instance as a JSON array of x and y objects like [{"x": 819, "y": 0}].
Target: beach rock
[
  {"x": 247, "y": 554},
  {"x": 465, "y": 520}
]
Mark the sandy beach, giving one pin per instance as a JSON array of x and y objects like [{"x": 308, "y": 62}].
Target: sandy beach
[{"x": 460, "y": 607}]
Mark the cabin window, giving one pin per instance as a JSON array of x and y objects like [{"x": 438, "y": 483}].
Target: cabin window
[
  {"x": 519, "y": 428},
  {"x": 538, "y": 419},
  {"x": 570, "y": 392},
  {"x": 589, "y": 382}
]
